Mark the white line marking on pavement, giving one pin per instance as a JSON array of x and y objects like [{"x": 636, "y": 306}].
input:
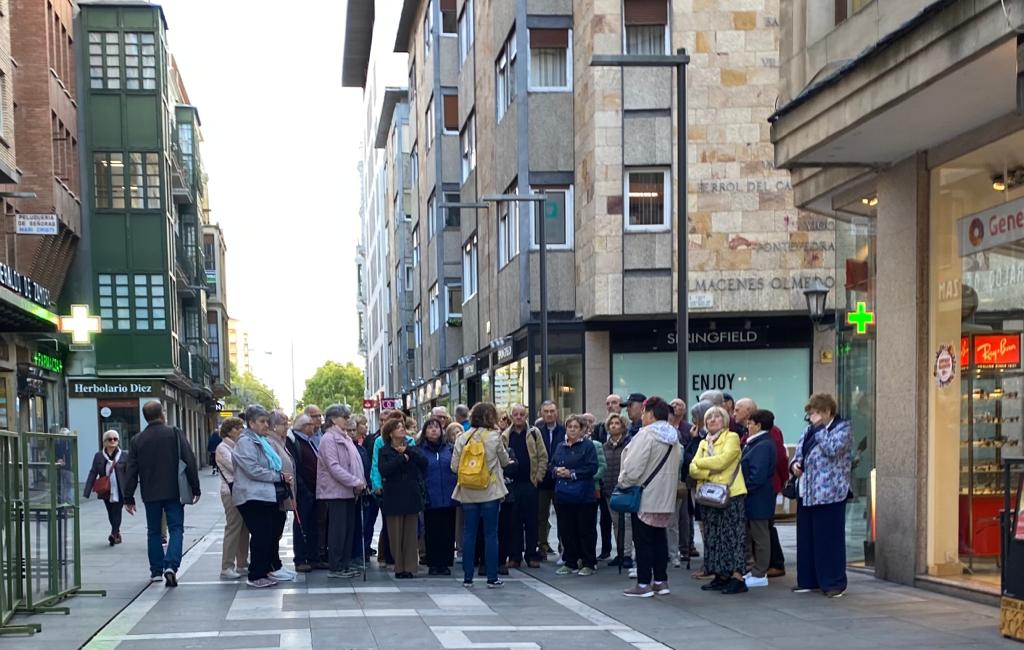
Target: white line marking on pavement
[
  {"x": 301, "y": 639},
  {"x": 265, "y": 604},
  {"x": 125, "y": 622}
]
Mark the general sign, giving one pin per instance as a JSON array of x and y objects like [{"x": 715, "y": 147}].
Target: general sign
[
  {"x": 390, "y": 403},
  {"x": 997, "y": 351},
  {"x": 37, "y": 224},
  {"x": 104, "y": 388},
  {"x": 369, "y": 403},
  {"x": 1002, "y": 224}
]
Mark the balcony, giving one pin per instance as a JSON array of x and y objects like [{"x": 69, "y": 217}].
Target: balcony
[{"x": 194, "y": 365}]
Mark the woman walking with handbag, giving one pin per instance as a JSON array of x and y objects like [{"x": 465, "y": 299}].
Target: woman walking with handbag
[
  {"x": 721, "y": 493},
  {"x": 648, "y": 478},
  {"x": 106, "y": 478},
  {"x": 573, "y": 466},
  {"x": 234, "y": 557}
]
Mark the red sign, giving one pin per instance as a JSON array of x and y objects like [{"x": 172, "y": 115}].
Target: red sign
[
  {"x": 369, "y": 403},
  {"x": 998, "y": 351},
  {"x": 965, "y": 352}
]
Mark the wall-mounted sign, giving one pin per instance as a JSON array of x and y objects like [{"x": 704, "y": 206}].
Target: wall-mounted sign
[
  {"x": 37, "y": 224},
  {"x": 701, "y": 300},
  {"x": 31, "y": 380},
  {"x": 104, "y": 388},
  {"x": 860, "y": 318},
  {"x": 105, "y": 411},
  {"x": 47, "y": 362},
  {"x": 505, "y": 353},
  {"x": 945, "y": 365},
  {"x": 80, "y": 325},
  {"x": 987, "y": 229},
  {"x": 469, "y": 368},
  {"x": 391, "y": 403},
  {"x": 997, "y": 351},
  {"x": 369, "y": 404},
  {"x": 24, "y": 286}
]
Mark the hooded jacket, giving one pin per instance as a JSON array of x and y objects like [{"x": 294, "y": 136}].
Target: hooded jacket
[{"x": 642, "y": 456}]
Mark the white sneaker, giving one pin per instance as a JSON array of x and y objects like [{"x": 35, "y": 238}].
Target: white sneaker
[
  {"x": 282, "y": 575},
  {"x": 754, "y": 581},
  {"x": 230, "y": 574},
  {"x": 632, "y": 573},
  {"x": 676, "y": 563}
]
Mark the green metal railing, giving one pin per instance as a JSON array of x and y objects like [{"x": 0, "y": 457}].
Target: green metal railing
[{"x": 11, "y": 535}]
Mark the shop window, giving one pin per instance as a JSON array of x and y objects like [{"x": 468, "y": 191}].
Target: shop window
[
  {"x": 452, "y": 216},
  {"x": 108, "y": 180},
  {"x": 550, "y": 59},
  {"x": 140, "y": 60},
  {"x": 469, "y": 267},
  {"x": 646, "y": 26},
  {"x": 648, "y": 204},
  {"x": 104, "y": 61},
  {"x": 505, "y": 73},
  {"x": 434, "y": 307},
  {"x": 566, "y": 383},
  {"x": 465, "y": 29},
  {"x": 508, "y": 232},
  {"x": 467, "y": 143},
  {"x": 450, "y": 104},
  {"x": 558, "y": 218}
]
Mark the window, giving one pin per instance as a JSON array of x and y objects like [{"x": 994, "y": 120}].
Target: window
[
  {"x": 431, "y": 216},
  {"x": 448, "y": 21},
  {"x": 435, "y": 309},
  {"x": 558, "y": 218},
  {"x": 467, "y": 143},
  {"x": 452, "y": 216},
  {"x": 465, "y": 28},
  {"x": 412, "y": 86},
  {"x": 450, "y": 107},
  {"x": 417, "y": 326},
  {"x": 141, "y": 306},
  {"x": 140, "y": 61},
  {"x": 428, "y": 124},
  {"x": 453, "y": 299},
  {"x": 648, "y": 205},
  {"x": 415, "y": 245},
  {"x": 409, "y": 277},
  {"x": 846, "y": 8},
  {"x": 104, "y": 60},
  {"x": 3, "y": 105},
  {"x": 108, "y": 180},
  {"x": 646, "y": 26},
  {"x": 144, "y": 175},
  {"x": 469, "y": 260},
  {"x": 414, "y": 166},
  {"x": 505, "y": 67},
  {"x": 508, "y": 231},
  {"x": 550, "y": 59},
  {"x": 428, "y": 28}
]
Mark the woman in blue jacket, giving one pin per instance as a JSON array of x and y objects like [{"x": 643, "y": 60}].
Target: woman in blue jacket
[
  {"x": 439, "y": 515},
  {"x": 758, "y": 463},
  {"x": 573, "y": 466}
]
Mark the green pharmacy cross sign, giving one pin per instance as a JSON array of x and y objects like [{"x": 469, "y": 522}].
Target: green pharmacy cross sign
[{"x": 861, "y": 318}]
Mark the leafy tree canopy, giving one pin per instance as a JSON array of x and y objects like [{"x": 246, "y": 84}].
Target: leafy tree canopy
[
  {"x": 334, "y": 383},
  {"x": 246, "y": 389}
]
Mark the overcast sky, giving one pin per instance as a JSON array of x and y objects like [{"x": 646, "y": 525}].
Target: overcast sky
[{"x": 281, "y": 145}]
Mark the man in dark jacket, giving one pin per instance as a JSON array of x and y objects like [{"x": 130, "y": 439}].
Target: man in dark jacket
[
  {"x": 634, "y": 409},
  {"x": 613, "y": 405},
  {"x": 552, "y": 433},
  {"x": 211, "y": 449},
  {"x": 758, "y": 463},
  {"x": 303, "y": 442},
  {"x": 153, "y": 465}
]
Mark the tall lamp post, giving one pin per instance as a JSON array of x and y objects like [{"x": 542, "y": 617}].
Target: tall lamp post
[{"x": 679, "y": 61}]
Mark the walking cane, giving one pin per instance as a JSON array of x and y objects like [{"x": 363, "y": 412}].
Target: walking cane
[{"x": 362, "y": 520}]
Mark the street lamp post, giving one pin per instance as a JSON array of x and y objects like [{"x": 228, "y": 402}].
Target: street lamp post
[{"x": 679, "y": 61}]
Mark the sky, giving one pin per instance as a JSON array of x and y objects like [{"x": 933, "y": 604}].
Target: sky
[{"x": 281, "y": 146}]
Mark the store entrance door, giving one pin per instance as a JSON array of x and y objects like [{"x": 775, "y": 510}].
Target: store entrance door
[{"x": 121, "y": 415}]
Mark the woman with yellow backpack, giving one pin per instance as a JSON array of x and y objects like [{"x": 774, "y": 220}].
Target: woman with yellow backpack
[{"x": 479, "y": 459}]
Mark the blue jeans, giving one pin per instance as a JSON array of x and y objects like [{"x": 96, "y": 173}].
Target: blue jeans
[
  {"x": 159, "y": 561},
  {"x": 472, "y": 513}
]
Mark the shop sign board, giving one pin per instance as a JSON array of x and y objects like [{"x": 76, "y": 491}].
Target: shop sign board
[
  {"x": 1002, "y": 224},
  {"x": 104, "y": 388},
  {"x": 390, "y": 403},
  {"x": 505, "y": 353},
  {"x": 31, "y": 380},
  {"x": 48, "y": 362},
  {"x": 997, "y": 351},
  {"x": 24, "y": 286},
  {"x": 37, "y": 224},
  {"x": 369, "y": 404}
]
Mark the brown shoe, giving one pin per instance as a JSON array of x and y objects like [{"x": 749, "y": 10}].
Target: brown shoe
[
  {"x": 303, "y": 568},
  {"x": 775, "y": 573},
  {"x": 533, "y": 564}
]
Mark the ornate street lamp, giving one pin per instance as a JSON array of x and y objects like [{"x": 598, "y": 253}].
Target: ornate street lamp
[{"x": 816, "y": 296}]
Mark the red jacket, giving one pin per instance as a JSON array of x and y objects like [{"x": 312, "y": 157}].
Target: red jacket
[{"x": 781, "y": 461}]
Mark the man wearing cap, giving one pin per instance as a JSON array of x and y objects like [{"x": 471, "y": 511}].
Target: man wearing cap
[{"x": 634, "y": 409}]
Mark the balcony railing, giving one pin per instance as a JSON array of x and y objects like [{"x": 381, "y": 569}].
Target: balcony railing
[{"x": 193, "y": 365}]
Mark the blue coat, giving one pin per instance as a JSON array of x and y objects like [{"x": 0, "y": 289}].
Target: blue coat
[
  {"x": 826, "y": 477},
  {"x": 440, "y": 478},
  {"x": 581, "y": 459},
  {"x": 758, "y": 463},
  {"x": 557, "y": 437}
]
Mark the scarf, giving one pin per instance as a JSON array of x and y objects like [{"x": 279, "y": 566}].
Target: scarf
[
  {"x": 712, "y": 437},
  {"x": 269, "y": 452},
  {"x": 810, "y": 440},
  {"x": 314, "y": 440}
]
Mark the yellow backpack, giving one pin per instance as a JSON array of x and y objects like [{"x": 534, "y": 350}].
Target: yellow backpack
[{"x": 473, "y": 471}]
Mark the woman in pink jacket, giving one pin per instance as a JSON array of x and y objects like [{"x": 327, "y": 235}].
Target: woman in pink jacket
[{"x": 339, "y": 479}]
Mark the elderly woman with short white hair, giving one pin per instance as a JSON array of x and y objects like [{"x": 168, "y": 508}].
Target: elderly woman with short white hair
[{"x": 106, "y": 478}]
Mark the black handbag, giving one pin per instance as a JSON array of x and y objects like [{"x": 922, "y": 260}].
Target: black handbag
[
  {"x": 282, "y": 491},
  {"x": 789, "y": 489}
]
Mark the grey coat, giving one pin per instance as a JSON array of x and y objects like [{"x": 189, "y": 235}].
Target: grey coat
[{"x": 254, "y": 480}]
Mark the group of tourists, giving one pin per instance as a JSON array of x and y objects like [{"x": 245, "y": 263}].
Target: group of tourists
[{"x": 483, "y": 485}]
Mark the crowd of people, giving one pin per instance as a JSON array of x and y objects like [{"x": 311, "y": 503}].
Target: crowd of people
[{"x": 629, "y": 490}]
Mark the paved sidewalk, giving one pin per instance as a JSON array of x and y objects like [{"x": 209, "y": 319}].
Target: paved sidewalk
[{"x": 122, "y": 570}]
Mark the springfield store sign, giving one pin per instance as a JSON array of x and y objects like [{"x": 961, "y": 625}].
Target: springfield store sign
[
  {"x": 1003, "y": 224},
  {"x": 116, "y": 388}
]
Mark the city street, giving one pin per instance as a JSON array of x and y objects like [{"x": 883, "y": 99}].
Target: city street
[{"x": 535, "y": 609}]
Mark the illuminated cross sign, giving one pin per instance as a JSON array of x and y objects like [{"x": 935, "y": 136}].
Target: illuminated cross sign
[
  {"x": 80, "y": 325},
  {"x": 861, "y": 318}
]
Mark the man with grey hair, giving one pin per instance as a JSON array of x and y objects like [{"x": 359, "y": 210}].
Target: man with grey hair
[
  {"x": 303, "y": 443},
  {"x": 441, "y": 413},
  {"x": 313, "y": 411},
  {"x": 462, "y": 416},
  {"x": 716, "y": 397},
  {"x": 613, "y": 405}
]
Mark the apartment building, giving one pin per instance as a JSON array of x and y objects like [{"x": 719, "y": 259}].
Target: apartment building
[
  {"x": 146, "y": 207},
  {"x": 238, "y": 347},
  {"x": 902, "y": 122},
  {"x": 217, "y": 319}
]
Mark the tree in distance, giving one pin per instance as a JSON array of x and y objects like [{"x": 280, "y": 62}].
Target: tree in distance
[{"x": 334, "y": 383}]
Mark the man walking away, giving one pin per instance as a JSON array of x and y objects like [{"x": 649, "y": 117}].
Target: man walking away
[
  {"x": 211, "y": 448},
  {"x": 153, "y": 466}
]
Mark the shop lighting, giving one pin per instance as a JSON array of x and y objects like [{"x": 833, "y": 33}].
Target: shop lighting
[
  {"x": 1013, "y": 178},
  {"x": 870, "y": 201},
  {"x": 998, "y": 184},
  {"x": 644, "y": 195}
]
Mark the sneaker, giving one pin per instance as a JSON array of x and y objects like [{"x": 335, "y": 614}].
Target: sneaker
[
  {"x": 676, "y": 563},
  {"x": 802, "y": 590},
  {"x": 303, "y": 568},
  {"x": 260, "y": 583},
  {"x": 495, "y": 584},
  {"x": 230, "y": 574},
  {"x": 560, "y": 562},
  {"x": 468, "y": 584},
  {"x": 661, "y": 588},
  {"x": 627, "y": 563},
  {"x": 632, "y": 573},
  {"x": 157, "y": 578},
  {"x": 835, "y": 593},
  {"x": 563, "y": 571},
  {"x": 336, "y": 574},
  {"x": 585, "y": 571},
  {"x": 754, "y": 581},
  {"x": 282, "y": 575},
  {"x": 639, "y": 591},
  {"x": 171, "y": 578},
  {"x": 735, "y": 586}
]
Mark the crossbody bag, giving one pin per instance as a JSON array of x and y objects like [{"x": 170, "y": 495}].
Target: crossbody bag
[{"x": 627, "y": 499}]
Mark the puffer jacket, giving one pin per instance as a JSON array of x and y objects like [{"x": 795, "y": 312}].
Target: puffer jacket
[
  {"x": 613, "y": 461},
  {"x": 721, "y": 464},
  {"x": 254, "y": 480},
  {"x": 642, "y": 455},
  {"x": 439, "y": 477}
]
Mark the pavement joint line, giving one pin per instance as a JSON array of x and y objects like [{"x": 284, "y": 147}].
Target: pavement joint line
[
  {"x": 132, "y": 615},
  {"x": 290, "y": 639}
]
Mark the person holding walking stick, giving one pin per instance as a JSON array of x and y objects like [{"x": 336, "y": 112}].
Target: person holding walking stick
[{"x": 339, "y": 479}]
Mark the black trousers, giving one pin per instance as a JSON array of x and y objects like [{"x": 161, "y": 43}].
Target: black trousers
[
  {"x": 340, "y": 528},
  {"x": 651, "y": 546},
  {"x": 778, "y": 560},
  {"x": 114, "y": 511},
  {"x": 439, "y": 537},
  {"x": 606, "y": 524},
  {"x": 522, "y": 534},
  {"x": 577, "y": 528},
  {"x": 280, "y": 517},
  {"x": 260, "y": 518}
]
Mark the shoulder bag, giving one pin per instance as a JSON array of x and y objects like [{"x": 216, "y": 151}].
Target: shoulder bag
[
  {"x": 716, "y": 495},
  {"x": 185, "y": 496},
  {"x": 627, "y": 499}
]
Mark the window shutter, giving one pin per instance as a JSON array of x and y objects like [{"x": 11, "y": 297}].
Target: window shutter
[
  {"x": 646, "y": 12},
  {"x": 451, "y": 112},
  {"x": 549, "y": 38}
]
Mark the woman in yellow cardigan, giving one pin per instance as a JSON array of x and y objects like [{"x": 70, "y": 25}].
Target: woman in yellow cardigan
[{"x": 718, "y": 461}]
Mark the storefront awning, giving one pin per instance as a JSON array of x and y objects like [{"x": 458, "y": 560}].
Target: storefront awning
[{"x": 19, "y": 314}]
